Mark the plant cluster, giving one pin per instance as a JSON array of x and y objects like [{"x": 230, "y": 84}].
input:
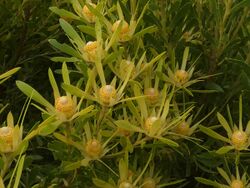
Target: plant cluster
[{"x": 141, "y": 93}]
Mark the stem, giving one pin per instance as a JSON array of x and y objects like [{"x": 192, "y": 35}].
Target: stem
[
  {"x": 67, "y": 134},
  {"x": 101, "y": 117},
  {"x": 7, "y": 162}
]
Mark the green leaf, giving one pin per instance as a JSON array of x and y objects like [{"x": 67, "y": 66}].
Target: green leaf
[
  {"x": 123, "y": 169},
  {"x": 208, "y": 182},
  {"x": 72, "y": 166},
  {"x": 64, "y": 13},
  {"x": 101, "y": 183},
  {"x": 53, "y": 84},
  {"x": 224, "y": 175},
  {"x": 65, "y": 48},
  {"x": 84, "y": 111},
  {"x": 124, "y": 124},
  {"x": 77, "y": 92},
  {"x": 225, "y": 124},
  {"x": 224, "y": 150},
  {"x": 65, "y": 75},
  {"x": 33, "y": 94},
  {"x": 88, "y": 30},
  {"x": 171, "y": 183},
  {"x": 240, "y": 5},
  {"x": 150, "y": 29},
  {"x": 19, "y": 172},
  {"x": 9, "y": 73},
  {"x": 64, "y": 59},
  {"x": 185, "y": 58},
  {"x": 168, "y": 141},
  {"x": 213, "y": 134},
  {"x": 69, "y": 30},
  {"x": 49, "y": 128}
]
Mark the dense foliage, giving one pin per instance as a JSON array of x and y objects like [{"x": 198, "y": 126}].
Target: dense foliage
[{"x": 125, "y": 94}]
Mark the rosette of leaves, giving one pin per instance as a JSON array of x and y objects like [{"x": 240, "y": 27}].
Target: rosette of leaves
[
  {"x": 65, "y": 108},
  {"x": 233, "y": 181},
  {"x": 237, "y": 137}
]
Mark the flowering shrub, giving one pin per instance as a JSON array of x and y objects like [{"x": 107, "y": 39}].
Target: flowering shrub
[{"x": 139, "y": 99}]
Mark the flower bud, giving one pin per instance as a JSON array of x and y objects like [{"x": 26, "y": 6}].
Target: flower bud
[
  {"x": 93, "y": 148},
  {"x": 90, "y": 49},
  {"x": 239, "y": 139},
  {"x": 6, "y": 135},
  {"x": 88, "y": 15},
  {"x": 149, "y": 123},
  {"x": 123, "y": 132},
  {"x": 125, "y": 184},
  {"x": 152, "y": 95},
  {"x": 149, "y": 183},
  {"x": 124, "y": 32},
  {"x": 66, "y": 106},
  {"x": 107, "y": 94},
  {"x": 181, "y": 76},
  {"x": 237, "y": 184},
  {"x": 182, "y": 128}
]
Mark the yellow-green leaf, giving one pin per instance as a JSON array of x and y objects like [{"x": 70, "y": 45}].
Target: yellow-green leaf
[{"x": 213, "y": 134}]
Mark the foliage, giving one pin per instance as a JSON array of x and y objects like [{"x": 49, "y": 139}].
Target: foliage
[{"x": 142, "y": 94}]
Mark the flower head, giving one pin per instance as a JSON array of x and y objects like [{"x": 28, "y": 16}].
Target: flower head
[
  {"x": 181, "y": 76},
  {"x": 237, "y": 184},
  {"x": 124, "y": 33},
  {"x": 65, "y": 106},
  {"x": 90, "y": 49},
  {"x": 239, "y": 139},
  {"x": 10, "y": 136},
  {"x": 93, "y": 148},
  {"x": 88, "y": 15},
  {"x": 149, "y": 183},
  {"x": 107, "y": 94},
  {"x": 152, "y": 95}
]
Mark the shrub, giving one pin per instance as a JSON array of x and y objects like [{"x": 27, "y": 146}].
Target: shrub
[{"x": 147, "y": 99}]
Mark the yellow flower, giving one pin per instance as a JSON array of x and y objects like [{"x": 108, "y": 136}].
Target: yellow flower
[
  {"x": 237, "y": 184},
  {"x": 10, "y": 136},
  {"x": 65, "y": 106},
  {"x": 125, "y": 184},
  {"x": 88, "y": 15},
  {"x": 183, "y": 128},
  {"x": 107, "y": 94},
  {"x": 94, "y": 148},
  {"x": 152, "y": 95},
  {"x": 149, "y": 183},
  {"x": 239, "y": 139},
  {"x": 124, "y": 32},
  {"x": 181, "y": 76},
  {"x": 6, "y": 135},
  {"x": 149, "y": 123},
  {"x": 90, "y": 49}
]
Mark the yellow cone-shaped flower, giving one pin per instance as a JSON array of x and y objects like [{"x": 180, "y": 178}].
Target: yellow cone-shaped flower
[
  {"x": 181, "y": 76},
  {"x": 94, "y": 148},
  {"x": 65, "y": 106},
  {"x": 125, "y": 184},
  {"x": 149, "y": 183},
  {"x": 182, "y": 128},
  {"x": 237, "y": 184},
  {"x": 107, "y": 94},
  {"x": 124, "y": 32},
  {"x": 152, "y": 95},
  {"x": 10, "y": 138},
  {"x": 239, "y": 139},
  {"x": 90, "y": 49},
  {"x": 88, "y": 15},
  {"x": 149, "y": 123}
]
